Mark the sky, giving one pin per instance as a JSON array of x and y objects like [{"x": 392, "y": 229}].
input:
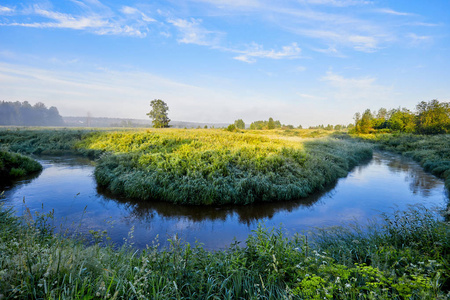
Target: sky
[{"x": 303, "y": 62}]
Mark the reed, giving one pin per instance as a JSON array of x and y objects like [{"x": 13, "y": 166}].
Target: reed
[
  {"x": 14, "y": 166},
  {"x": 205, "y": 167},
  {"x": 405, "y": 257}
]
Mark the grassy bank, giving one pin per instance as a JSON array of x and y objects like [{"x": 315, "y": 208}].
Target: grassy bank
[
  {"x": 202, "y": 167},
  {"x": 46, "y": 141},
  {"x": 206, "y": 167},
  {"x": 431, "y": 151},
  {"x": 405, "y": 257},
  {"x": 14, "y": 166}
]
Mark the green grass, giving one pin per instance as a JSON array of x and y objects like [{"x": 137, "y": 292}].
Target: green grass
[
  {"x": 14, "y": 166},
  {"x": 202, "y": 167},
  {"x": 205, "y": 167},
  {"x": 405, "y": 257}
]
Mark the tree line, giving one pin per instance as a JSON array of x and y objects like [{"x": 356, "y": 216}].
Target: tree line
[
  {"x": 432, "y": 117},
  {"x": 24, "y": 114}
]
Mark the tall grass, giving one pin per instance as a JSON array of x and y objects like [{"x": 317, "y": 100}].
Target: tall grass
[
  {"x": 46, "y": 141},
  {"x": 405, "y": 257},
  {"x": 218, "y": 167},
  {"x": 13, "y": 166}
]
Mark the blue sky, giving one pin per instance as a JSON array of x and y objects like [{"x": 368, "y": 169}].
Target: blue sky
[{"x": 300, "y": 61}]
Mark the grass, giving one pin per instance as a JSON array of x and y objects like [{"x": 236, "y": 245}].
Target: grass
[
  {"x": 202, "y": 167},
  {"x": 14, "y": 166},
  {"x": 406, "y": 256},
  {"x": 431, "y": 151},
  {"x": 205, "y": 167}
]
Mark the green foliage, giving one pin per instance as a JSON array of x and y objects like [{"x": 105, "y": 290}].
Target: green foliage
[
  {"x": 13, "y": 166},
  {"x": 47, "y": 141},
  {"x": 431, "y": 118},
  {"x": 268, "y": 125},
  {"x": 405, "y": 257},
  {"x": 219, "y": 167},
  {"x": 239, "y": 124},
  {"x": 159, "y": 113},
  {"x": 231, "y": 128}
]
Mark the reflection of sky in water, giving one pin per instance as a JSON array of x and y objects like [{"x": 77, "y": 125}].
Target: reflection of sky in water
[{"x": 387, "y": 183}]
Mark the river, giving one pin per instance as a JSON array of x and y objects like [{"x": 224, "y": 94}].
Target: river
[{"x": 66, "y": 186}]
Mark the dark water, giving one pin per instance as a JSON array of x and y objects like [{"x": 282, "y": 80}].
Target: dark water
[{"x": 387, "y": 183}]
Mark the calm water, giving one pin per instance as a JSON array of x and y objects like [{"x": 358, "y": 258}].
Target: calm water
[{"x": 388, "y": 182}]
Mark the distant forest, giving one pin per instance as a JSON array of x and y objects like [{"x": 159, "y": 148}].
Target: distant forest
[{"x": 25, "y": 114}]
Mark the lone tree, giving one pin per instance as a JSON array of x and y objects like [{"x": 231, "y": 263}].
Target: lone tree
[
  {"x": 159, "y": 113},
  {"x": 239, "y": 124}
]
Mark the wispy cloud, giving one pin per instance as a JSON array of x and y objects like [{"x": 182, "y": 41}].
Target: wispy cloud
[
  {"x": 363, "y": 91},
  {"x": 393, "y": 12},
  {"x": 257, "y": 51},
  {"x": 131, "y": 21},
  {"x": 419, "y": 39},
  {"x": 191, "y": 32},
  {"x": 5, "y": 10},
  {"x": 338, "y": 3}
]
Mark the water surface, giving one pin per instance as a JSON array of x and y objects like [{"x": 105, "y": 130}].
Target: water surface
[{"x": 66, "y": 185}]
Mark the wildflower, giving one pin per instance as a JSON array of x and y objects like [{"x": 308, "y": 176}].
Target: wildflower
[{"x": 348, "y": 285}]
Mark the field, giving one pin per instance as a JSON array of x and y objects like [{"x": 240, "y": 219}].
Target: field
[
  {"x": 203, "y": 167},
  {"x": 401, "y": 256}
]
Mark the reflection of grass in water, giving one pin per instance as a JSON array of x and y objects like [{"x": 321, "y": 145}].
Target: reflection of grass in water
[
  {"x": 431, "y": 151},
  {"x": 219, "y": 167},
  {"x": 406, "y": 256}
]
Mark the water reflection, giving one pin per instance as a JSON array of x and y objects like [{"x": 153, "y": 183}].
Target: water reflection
[
  {"x": 418, "y": 182},
  {"x": 67, "y": 185},
  {"x": 247, "y": 214}
]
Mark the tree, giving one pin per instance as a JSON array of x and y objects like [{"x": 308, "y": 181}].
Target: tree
[
  {"x": 433, "y": 117},
  {"x": 159, "y": 113},
  {"x": 239, "y": 124},
  {"x": 271, "y": 124}
]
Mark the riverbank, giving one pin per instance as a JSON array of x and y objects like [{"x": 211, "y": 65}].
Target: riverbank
[
  {"x": 202, "y": 167},
  {"x": 14, "y": 166},
  {"x": 405, "y": 256}
]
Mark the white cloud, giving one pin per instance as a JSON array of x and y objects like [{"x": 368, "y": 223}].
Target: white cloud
[
  {"x": 6, "y": 10},
  {"x": 128, "y": 10},
  {"x": 393, "y": 12},
  {"x": 257, "y": 51},
  {"x": 419, "y": 39},
  {"x": 192, "y": 32},
  {"x": 101, "y": 22},
  {"x": 362, "y": 92},
  {"x": 339, "y": 3}
]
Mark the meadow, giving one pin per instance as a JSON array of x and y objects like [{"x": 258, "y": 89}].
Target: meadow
[
  {"x": 405, "y": 255},
  {"x": 203, "y": 167}
]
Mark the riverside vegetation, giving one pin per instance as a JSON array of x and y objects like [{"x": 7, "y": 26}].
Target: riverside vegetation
[
  {"x": 404, "y": 256},
  {"x": 202, "y": 167},
  {"x": 14, "y": 166}
]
